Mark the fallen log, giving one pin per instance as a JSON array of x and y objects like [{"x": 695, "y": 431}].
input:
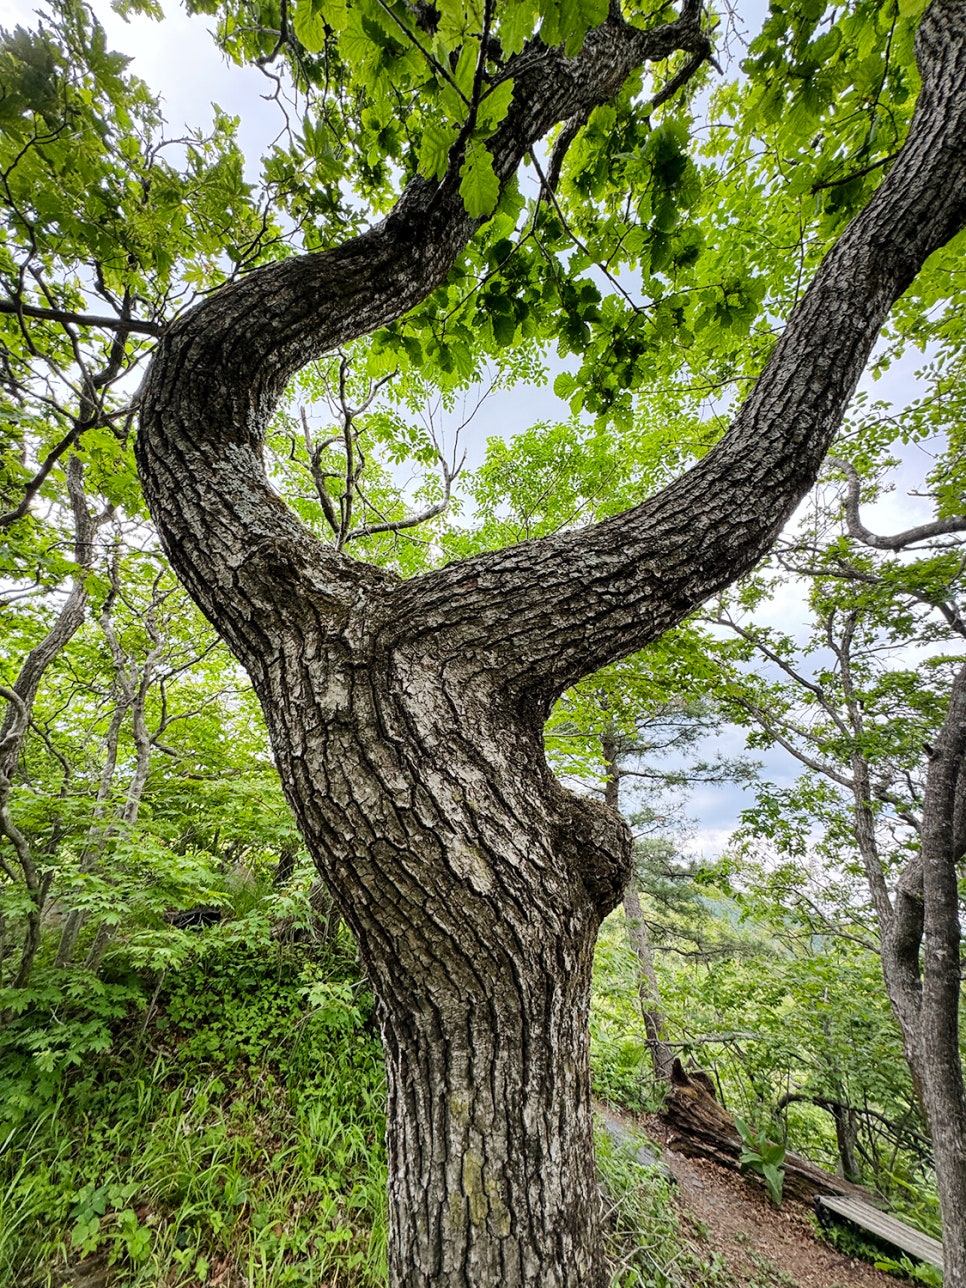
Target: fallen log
[{"x": 699, "y": 1127}]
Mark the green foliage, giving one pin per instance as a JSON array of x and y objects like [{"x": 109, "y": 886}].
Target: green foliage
[
  {"x": 53, "y": 1030},
  {"x": 656, "y": 273},
  {"x": 765, "y": 1006},
  {"x": 918, "y": 1271},
  {"x": 237, "y": 1127},
  {"x": 850, "y": 1242},
  {"x": 764, "y": 1156},
  {"x": 644, "y": 1231}
]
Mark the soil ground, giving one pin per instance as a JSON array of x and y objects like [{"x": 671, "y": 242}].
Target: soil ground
[{"x": 743, "y": 1226}]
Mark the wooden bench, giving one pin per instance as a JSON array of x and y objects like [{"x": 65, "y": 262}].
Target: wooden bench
[{"x": 883, "y": 1227}]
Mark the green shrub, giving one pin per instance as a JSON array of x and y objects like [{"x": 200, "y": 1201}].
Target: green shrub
[{"x": 240, "y": 1128}]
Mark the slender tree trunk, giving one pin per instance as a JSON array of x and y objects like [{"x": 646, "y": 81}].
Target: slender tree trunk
[
  {"x": 20, "y": 700},
  {"x": 285, "y": 867},
  {"x": 942, "y": 981},
  {"x": 845, "y": 1138},
  {"x": 900, "y": 921},
  {"x": 97, "y": 834},
  {"x": 648, "y": 989}
]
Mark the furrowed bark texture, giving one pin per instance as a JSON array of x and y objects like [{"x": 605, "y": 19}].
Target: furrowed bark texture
[
  {"x": 942, "y": 980},
  {"x": 407, "y": 716}
]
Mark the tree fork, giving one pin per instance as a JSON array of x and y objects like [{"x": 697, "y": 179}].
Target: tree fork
[{"x": 406, "y": 717}]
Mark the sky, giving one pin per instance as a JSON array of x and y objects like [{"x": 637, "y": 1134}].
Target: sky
[{"x": 179, "y": 58}]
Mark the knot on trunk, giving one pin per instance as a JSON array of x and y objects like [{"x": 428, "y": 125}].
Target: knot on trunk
[{"x": 596, "y": 842}]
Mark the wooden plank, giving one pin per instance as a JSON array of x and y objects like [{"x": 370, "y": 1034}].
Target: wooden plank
[{"x": 887, "y": 1228}]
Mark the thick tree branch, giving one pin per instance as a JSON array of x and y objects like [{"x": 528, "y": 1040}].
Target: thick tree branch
[
  {"x": 122, "y": 325},
  {"x": 556, "y": 609},
  {"x": 220, "y": 369}
]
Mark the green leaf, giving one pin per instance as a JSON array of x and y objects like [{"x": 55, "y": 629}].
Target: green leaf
[
  {"x": 494, "y": 107},
  {"x": 309, "y": 23},
  {"x": 566, "y": 22},
  {"x": 479, "y": 186},
  {"x": 434, "y": 149},
  {"x": 465, "y": 72},
  {"x": 774, "y": 1179}
]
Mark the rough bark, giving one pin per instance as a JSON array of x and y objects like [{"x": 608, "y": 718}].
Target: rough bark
[
  {"x": 406, "y": 717},
  {"x": 942, "y": 981}
]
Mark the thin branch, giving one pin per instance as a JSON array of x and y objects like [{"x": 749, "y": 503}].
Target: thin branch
[
  {"x": 123, "y": 325},
  {"x": 855, "y": 174},
  {"x": 858, "y": 530}
]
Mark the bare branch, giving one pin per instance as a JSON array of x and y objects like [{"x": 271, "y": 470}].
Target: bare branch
[
  {"x": 124, "y": 326},
  {"x": 858, "y": 530}
]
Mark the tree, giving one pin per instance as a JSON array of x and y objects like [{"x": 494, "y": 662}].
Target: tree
[
  {"x": 633, "y": 734},
  {"x": 406, "y": 715},
  {"x": 883, "y": 746},
  {"x": 102, "y": 238}
]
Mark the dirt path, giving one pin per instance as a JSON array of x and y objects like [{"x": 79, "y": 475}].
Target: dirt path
[{"x": 743, "y": 1226}]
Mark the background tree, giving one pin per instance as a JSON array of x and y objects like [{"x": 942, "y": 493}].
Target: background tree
[
  {"x": 634, "y": 734},
  {"x": 878, "y": 739}
]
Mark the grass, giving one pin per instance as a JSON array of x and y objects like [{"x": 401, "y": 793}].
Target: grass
[
  {"x": 231, "y": 1134},
  {"x": 648, "y": 1245},
  {"x": 245, "y": 1148}
]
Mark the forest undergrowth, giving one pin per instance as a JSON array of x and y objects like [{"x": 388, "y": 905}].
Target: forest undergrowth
[{"x": 219, "y": 1123}]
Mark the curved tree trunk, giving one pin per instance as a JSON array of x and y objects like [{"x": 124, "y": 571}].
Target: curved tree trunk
[
  {"x": 407, "y": 717},
  {"x": 478, "y": 937}
]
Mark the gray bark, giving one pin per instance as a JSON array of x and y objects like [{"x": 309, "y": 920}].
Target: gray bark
[
  {"x": 648, "y": 989},
  {"x": 942, "y": 981},
  {"x": 131, "y": 686},
  {"x": 407, "y": 717},
  {"x": 20, "y": 700}
]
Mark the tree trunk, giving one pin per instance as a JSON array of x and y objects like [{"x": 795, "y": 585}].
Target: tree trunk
[
  {"x": 648, "y": 989},
  {"x": 491, "y": 1155},
  {"x": 478, "y": 937},
  {"x": 407, "y": 717},
  {"x": 477, "y": 888},
  {"x": 20, "y": 700},
  {"x": 845, "y": 1138},
  {"x": 700, "y": 1128},
  {"x": 942, "y": 980}
]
